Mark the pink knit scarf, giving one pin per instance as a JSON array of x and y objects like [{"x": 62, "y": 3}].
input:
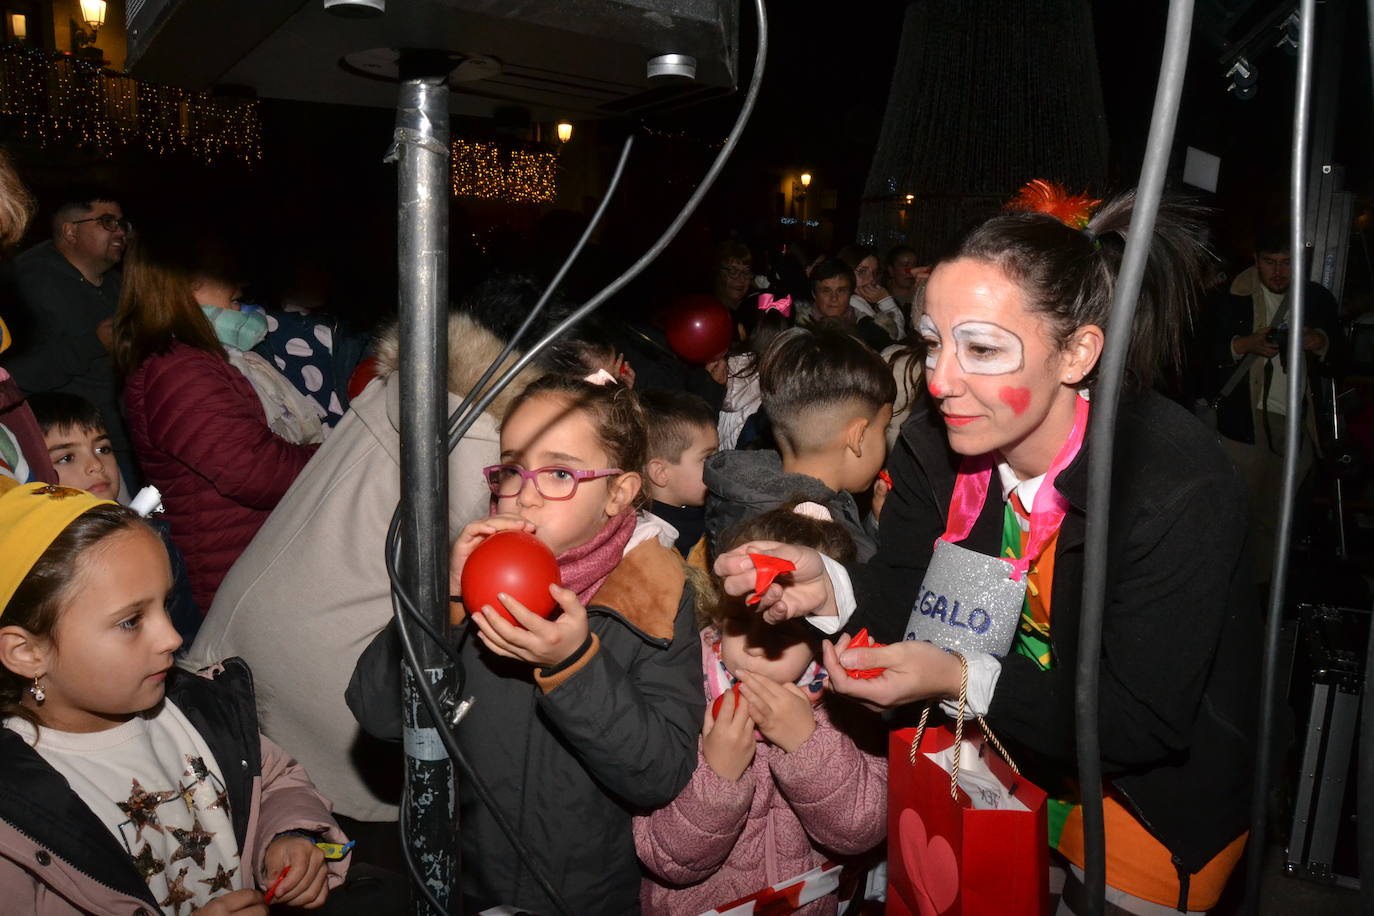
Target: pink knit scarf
[{"x": 586, "y": 567}]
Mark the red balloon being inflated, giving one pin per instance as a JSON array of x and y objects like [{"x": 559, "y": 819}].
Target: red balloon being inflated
[
  {"x": 698, "y": 328},
  {"x": 513, "y": 562}
]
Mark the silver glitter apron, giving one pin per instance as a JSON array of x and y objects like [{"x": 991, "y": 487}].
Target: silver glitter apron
[{"x": 969, "y": 601}]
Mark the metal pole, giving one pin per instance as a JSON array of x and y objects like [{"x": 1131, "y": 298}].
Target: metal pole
[
  {"x": 1291, "y": 444},
  {"x": 1101, "y": 446},
  {"x": 421, "y": 149}
]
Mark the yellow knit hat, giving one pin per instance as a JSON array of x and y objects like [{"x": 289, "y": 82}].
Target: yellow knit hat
[
  {"x": 32, "y": 515},
  {"x": 4, "y": 336}
]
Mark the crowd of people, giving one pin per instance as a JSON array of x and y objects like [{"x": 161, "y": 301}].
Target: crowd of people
[{"x": 674, "y": 738}]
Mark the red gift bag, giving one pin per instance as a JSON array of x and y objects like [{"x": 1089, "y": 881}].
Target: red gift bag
[{"x": 944, "y": 856}]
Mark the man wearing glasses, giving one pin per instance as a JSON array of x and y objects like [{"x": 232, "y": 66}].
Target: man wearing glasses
[{"x": 64, "y": 293}]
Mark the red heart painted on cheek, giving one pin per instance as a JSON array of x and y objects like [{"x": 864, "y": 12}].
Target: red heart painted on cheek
[{"x": 1018, "y": 399}]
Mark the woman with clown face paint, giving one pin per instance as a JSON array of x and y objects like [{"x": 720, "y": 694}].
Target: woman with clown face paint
[{"x": 995, "y": 464}]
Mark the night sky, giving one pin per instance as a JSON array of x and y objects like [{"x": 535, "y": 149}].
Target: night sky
[{"x": 323, "y": 194}]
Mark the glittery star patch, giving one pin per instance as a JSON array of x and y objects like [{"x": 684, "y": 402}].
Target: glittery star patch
[
  {"x": 141, "y": 808},
  {"x": 192, "y": 842},
  {"x": 195, "y": 767},
  {"x": 147, "y": 863},
  {"x": 177, "y": 894},
  {"x": 222, "y": 880}
]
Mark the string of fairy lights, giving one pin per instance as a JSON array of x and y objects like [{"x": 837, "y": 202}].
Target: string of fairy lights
[
  {"x": 496, "y": 171},
  {"x": 54, "y": 98}
]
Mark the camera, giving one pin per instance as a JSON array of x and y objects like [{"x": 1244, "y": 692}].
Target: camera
[{"x": 1277, "y": 337}]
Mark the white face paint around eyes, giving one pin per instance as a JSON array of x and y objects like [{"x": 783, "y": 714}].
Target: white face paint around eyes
[
  {"x": 985, "y": 348},
  {"x": 931, "y": 335}
]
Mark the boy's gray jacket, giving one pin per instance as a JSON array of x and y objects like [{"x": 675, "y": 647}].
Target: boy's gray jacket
[{"x": 743, "y": 484}]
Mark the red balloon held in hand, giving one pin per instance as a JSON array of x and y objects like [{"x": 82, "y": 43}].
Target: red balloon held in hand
[
  {"x": 513, "y": 562},
  {"x": 715, "y": 707},
  {"x": 698, "y": 328}
]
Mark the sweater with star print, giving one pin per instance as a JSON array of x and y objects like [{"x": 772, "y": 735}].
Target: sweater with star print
[{"x": 172, "y": 809}]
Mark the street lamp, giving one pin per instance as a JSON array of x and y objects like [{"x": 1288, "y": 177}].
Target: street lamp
[
  {"x": 799, "y": 194},
  {"x": 83, "y": 39}
]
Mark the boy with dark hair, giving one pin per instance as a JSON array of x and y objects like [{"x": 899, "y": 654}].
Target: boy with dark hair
[
  {"x": 829, "y": 399},
  {"x": 79, "y": 448},
  {"x": 682, "y": 436}
]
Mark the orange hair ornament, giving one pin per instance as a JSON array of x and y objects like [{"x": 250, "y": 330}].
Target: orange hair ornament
[{"x": 1053, "y": 199}]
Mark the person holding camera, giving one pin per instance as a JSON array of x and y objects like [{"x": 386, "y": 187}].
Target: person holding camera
[{"x": 1250, "y": 325}]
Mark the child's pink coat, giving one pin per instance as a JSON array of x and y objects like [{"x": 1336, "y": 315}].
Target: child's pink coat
[{"x": 719, "y": 841}]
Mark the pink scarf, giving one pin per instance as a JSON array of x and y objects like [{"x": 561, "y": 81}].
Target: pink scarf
[{"x": 586, "y": 567}]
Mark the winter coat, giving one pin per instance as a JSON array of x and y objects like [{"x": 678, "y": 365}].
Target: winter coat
[
  {"x": 570, "y": 758},
  {"x": 201, "y": 438},
  {"x": 741, "y": 485},
  {"x": 1180, "y": 640},
  {"x": 719, "y": 841},
  {"x": 58, "y": 859},
  {"x": 311, "y": 591}
]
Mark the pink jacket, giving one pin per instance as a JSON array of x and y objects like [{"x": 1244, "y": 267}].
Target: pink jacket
[{"x": 719, "y": 841}]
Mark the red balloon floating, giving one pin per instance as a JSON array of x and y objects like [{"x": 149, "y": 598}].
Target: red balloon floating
[
  {"x": 514, "y": 562},
  {"x": 698, "y": 328}
]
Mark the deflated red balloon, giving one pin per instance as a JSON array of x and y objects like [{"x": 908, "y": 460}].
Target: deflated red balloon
[
  {"x": 698, "y": 328},
  {"x": 513, "y": 562},
  {"x": 862, "y": 640},
  {"x": 766, "y": 569},
  {"x": 715, "y": 707}
]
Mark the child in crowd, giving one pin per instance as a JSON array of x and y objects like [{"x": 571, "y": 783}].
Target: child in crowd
[
  {"x": 760, "y": 320},
  {"x": 682, "y": 435},
  {"x": 829, "y": 399},
  {"x": 127, "y": 785},
  {"x": 778, "y": 787},
  {"x": 584, "y": 719},
  {"x": 79, "y": 448}
]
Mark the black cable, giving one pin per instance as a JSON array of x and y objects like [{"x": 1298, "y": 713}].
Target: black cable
[
  {"x": 514, "y": 341},
  {"x": 656, "y": 249},
  {"x": 459, "y": 427},
  {"x": 1106, "y": 399},
  {"x": 470, "y": 774},
  {"x": 1297, "y": 292},
  {"x": 1364, "y": 799}
]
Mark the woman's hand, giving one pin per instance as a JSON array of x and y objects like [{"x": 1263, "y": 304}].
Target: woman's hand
[
  {"x": 304, "y": 886},
  {"x": 782, "y": 712},
  {"x": 873, "y": 293},
  {"x": 880, "y": 491},
  {"x": 727, "y": 743},
  {"x": 544, "y": 643},
  {"x": 915, "y": 671},
  {"x": 246, "y": 902},
  {"x": 471, "y": 537},
  {"x": 807, "y": 592}
]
